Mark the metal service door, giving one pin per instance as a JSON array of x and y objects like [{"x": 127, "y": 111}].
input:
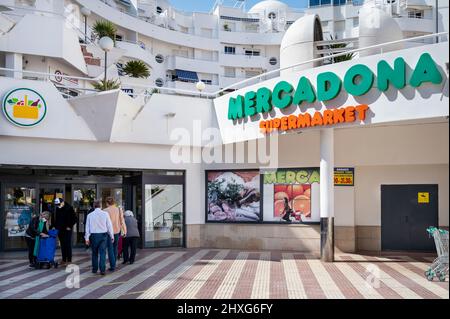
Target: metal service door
[{"x": 406, "y": 212}]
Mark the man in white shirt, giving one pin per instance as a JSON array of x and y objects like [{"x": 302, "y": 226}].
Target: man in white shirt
[{"x": 99, "y": 230}]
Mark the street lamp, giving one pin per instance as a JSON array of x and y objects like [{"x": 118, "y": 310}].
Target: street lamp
[
  {"x": 86, "y": 13},
  {"x": 106, "y": 44},
  {"x": 200, "y": 85}
]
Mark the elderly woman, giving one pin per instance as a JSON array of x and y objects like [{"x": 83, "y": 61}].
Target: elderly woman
[
  {"x": 131, "y": 238},
  {"x": 37, "y": 228}
]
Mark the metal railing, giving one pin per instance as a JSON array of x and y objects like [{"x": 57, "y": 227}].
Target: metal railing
[{"x": 257, "y": 78}]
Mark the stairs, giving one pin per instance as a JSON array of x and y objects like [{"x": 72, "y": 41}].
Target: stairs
[{"x": 89, "y": 57}]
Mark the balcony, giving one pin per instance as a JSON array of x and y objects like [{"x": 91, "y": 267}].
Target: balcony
[
  {"x": 226, "y": 81},
  {"x": 195, "y": 65},
  {"x": 415, "y": 24},
  {"x": 190, "y": 86},
  {"x": 243, "y": 61},
  {"x": 250, "y": 37}
]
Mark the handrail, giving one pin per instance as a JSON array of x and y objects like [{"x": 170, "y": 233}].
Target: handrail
[
  {"x": 217, "y": 93},
  {"x": 434, "y": 35}
]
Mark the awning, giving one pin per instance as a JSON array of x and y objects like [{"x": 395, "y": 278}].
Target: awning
[{"x": 186, "y": 75}]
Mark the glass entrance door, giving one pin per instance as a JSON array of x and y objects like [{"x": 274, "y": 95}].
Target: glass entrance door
[
  {"x": 164, "y": 224},
  {"x": 19, "y": 207},
  {"x": 47, "y": 194},
  {"x": 83, "y": 201},
  {"x": 114, "y": 191}
]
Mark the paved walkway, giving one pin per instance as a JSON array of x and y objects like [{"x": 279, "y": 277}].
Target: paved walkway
[{"x": 219, "y": 273}]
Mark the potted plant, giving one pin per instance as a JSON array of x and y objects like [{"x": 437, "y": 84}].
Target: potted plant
[
  {"x": 136, "y": 69},
  {"x": 104, "y": 28},
  {"x": 226, "y": 27}
]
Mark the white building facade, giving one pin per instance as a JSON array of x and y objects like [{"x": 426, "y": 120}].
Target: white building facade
[{"x": 129, "y": 143}]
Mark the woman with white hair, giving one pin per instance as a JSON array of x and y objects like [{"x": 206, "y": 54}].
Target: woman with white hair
[
  {"x": 38, "y": 227},
  {"x": 131, "y": 238}
]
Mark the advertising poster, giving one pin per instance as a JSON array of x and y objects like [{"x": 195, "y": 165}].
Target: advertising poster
[
  {"x": 291, "y": 195},
  {"x": 233, "y": 196},
  {"x": 17, "y": 220}
]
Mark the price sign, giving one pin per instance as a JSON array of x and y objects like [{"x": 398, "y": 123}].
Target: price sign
[{"x": 344, "y": 176}]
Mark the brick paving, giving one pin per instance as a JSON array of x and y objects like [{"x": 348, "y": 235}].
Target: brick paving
[{"x": 222, "y": 273}]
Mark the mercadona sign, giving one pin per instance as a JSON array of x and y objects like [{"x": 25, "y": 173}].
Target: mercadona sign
[{"x": 357, "y": 81}]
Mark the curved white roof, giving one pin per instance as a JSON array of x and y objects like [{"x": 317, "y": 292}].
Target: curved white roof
[
  {"x": 300, "y": 31},
  {"x": 269, "y": 5}
]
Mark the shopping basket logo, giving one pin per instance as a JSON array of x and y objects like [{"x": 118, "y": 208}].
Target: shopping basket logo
[{"x": 24, "y": 107}]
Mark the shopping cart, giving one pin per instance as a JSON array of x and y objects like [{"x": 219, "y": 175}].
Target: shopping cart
[{"x": 439, "y": 267}]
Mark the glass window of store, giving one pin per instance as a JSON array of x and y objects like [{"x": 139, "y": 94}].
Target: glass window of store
[{"x": 19, "y": 206}]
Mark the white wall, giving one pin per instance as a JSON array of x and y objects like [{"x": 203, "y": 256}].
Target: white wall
[{"x": 368, "y": 182}]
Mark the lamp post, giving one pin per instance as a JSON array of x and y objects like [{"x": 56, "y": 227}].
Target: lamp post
[
  {"x": 106, "y": 44},
  {"x": 437, "y": 20},
  {"x": 86, "y": 13},
  {"x": 200, "y": 85}
]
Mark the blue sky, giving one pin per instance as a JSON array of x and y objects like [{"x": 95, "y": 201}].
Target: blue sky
[{"x": 206, "y": 5}]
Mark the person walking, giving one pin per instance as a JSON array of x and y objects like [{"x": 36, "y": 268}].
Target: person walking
[
  {"x": 37, "y": 228},
  {"x": 116, "y": 215},
  {"x": 131, "y": 238},
  {"x": 99, "y": 231},
  {"x": 64, "y": 218}
]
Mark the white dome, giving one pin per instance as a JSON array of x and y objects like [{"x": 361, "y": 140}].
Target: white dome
[
  {"x": 269, "y": 5},
  {"x": 373, "y": 23},
  {"x": 298, "y": 42}
]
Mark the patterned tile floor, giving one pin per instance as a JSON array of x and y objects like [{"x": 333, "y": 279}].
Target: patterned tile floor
[{"x": 220, "y": 273}]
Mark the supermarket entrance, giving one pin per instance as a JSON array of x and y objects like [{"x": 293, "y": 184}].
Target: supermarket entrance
[{"x": 406, "y": 212}]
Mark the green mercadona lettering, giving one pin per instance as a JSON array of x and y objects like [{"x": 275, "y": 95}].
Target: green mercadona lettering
[
  {"x": 292, "y": 177},
  {"x": 358, "y": 80}
]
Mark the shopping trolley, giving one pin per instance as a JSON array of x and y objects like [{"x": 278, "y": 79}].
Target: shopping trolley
[{"x": 439, "y": 267}]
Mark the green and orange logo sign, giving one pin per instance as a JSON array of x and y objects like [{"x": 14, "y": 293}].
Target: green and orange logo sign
[{"x": 24, "y": 107}]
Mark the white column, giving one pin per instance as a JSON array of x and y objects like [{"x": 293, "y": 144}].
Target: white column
[
  {"x": 13, "y": 61},
  {"x": 327, "y": 194}
]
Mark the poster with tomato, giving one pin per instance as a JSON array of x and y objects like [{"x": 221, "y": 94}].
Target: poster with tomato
[
  {"x": 291, "y": 195},
  {"x": 292, "y": 202}
]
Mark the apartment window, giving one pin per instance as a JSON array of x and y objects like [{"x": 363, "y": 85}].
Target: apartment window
[
  {"x": 230, "y": 72},
  {"x": 355, "y": 22},
  {"x": 208, "y": 82},
  {"x": 118, "y": 37},
  {"x": 252, "y": 52},
  {"x": 272, "y": 16},
  {"x": 159, "y": 10},
  {"x": 251, "y": 73},
  {"x": 273, "y": 61},
  {"x": 159, "y": 58},
  {"x": 230, "y": 50},
  {"x": 415, "y": 14}
]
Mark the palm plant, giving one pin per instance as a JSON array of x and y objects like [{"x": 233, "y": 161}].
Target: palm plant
[
  {"x": 341, "y": 58},
  {"x": 136, "y": 69},
  {"x": 106, "y": 85},
  {"x": 104, "y": 28}
]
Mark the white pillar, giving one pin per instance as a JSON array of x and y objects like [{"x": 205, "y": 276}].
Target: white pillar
[
  {"x": 327, "y": 194},
  {"x": 13, "y": 61}
]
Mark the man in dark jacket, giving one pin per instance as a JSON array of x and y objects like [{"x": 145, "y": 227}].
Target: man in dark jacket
[{"x": 64, "y": 218}]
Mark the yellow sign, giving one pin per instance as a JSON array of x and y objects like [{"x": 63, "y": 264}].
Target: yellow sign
[
  {"x": 344, "y": 176},
  {"x": 48, "y": 198},
  {"x": 423, "y": 197}
]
